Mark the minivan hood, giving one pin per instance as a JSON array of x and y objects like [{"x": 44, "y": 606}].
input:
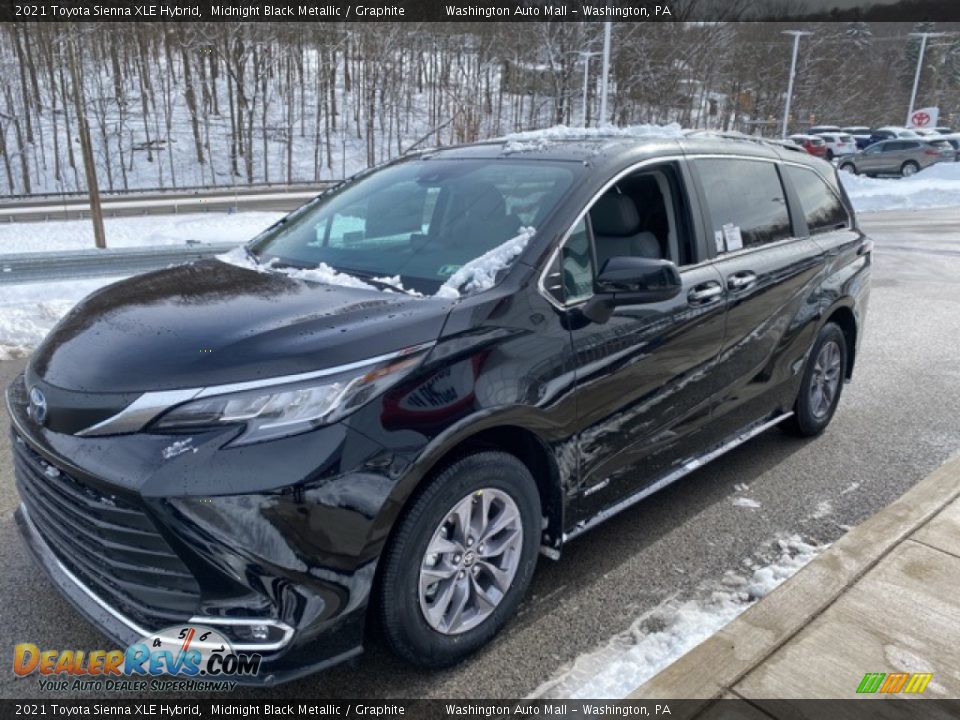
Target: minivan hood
[{"x": 211, "y": 323}]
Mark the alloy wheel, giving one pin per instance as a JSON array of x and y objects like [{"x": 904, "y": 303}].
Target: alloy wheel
[
  {"x": 471, "y": 561},
  {"x": 825, "y": 379}
]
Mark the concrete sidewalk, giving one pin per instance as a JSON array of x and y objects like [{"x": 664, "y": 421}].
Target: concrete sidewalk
[{"x": 884, "y": 598}]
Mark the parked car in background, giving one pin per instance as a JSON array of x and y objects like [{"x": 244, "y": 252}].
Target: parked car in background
[
  {"x": 860, "y": 134},
  {"x": 813, "y": 144},
  {"x": 944, "y": 130},
  {"x": 838, "y": 144},
  {"x": 925, "y": 132},
  {"x": 952, "y": 140},
  {"x": 903, "y": 157},
  {"x": 817, "y": 129},
  {"x": 890, "y": 132}
]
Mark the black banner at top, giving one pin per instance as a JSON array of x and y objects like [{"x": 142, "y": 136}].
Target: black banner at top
[{"x": 472, "y": 10}]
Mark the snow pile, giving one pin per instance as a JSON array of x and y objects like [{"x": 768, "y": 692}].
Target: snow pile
[
  {"x": 533, "y": 140},
  {"x": 936, "y": 186},
  {"x": 323, "y": 273},
  {"x": 475, "y": 276},
  {"x": 746, "y": 502},
  {"x": 61, "y": 235},
  {"x": 28, "y": 312},
  {"x": 481, "y": 273},
  {"x": 675, "y": 627}
]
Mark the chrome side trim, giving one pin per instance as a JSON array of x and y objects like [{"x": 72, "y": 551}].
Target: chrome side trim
[
  {"x": 138, "y": 413},
  {"x": 143, "y": 632},
  {"x": 671, "y": 477},
  {"x": 145, "y": 408}
]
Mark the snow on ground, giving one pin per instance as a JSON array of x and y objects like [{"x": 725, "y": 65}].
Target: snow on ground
[
  {"x": 936, "y": 186},
  {"x": 59, "y": 235},
  {"x": 29, "y": 311},
  {"x": 677, "y": 626}
]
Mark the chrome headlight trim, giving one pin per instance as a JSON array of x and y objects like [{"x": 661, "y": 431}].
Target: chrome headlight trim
[{"x": 146, "y": 408}]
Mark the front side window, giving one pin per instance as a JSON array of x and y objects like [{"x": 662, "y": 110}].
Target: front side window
[
  {"x": 746, "y": 202},
  {"x": 821, "y": 206},
  {"x": 420, "y": 220}
]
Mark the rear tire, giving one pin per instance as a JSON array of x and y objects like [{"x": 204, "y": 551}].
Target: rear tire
[
  {"x": 909, "y": 168},
  {"x": 442, "y": 594},
  {"x": 821, "y": 384}
]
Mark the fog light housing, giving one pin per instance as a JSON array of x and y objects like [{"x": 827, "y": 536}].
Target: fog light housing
[{"x": 259, "y": 632}]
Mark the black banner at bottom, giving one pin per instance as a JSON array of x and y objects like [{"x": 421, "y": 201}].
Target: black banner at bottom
[{"x": 872, "y": 708}]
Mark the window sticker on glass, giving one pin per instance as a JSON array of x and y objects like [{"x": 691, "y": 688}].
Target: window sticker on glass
[
  {"x": 718, "y": 240},
  {"x": 731, "y": 233}
]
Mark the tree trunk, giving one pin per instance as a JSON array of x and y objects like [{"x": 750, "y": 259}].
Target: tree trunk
[{"x": 96, "y": 212}]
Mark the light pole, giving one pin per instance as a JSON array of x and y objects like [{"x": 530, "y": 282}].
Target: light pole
[
  {"x": 606, "y": 71},
  {"x": 586, "y": 55},
  {"x": 916, "y": 78},
  {"x": 797, "y": 34}
]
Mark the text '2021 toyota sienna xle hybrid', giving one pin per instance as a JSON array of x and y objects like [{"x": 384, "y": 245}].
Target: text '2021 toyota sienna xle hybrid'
[{"x": 381, "y": 410}]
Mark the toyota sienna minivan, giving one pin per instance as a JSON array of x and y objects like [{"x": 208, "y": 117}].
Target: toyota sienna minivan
[{"x": 384, "y": 408}]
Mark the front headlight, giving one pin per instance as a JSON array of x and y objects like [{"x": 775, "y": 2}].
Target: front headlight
[{"x": 282, "y": 410}]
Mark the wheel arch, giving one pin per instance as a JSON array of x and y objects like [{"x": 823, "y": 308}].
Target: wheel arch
[
  {"x": 843, "y": 316},
  {"x": 521, "y": 442}
]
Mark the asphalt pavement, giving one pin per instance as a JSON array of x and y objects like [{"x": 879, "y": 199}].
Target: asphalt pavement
[{"x": 896, "y": 422}]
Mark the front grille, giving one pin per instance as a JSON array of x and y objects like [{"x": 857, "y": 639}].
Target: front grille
[{"x": 108, "y": 542}]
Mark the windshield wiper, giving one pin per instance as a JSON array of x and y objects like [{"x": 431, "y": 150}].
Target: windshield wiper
[{"x": 250, "y": 254}]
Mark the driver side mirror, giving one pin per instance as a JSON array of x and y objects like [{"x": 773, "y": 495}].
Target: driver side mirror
[{"x": 629, "y": 281}]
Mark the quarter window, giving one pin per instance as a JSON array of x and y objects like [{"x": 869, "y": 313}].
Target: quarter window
[
  {"x": 746, "y": 202},
  {"x": 821, "y": 206},
  {"x": 570, "y": 278}
]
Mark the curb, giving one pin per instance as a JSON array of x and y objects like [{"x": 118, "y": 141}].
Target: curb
[{"x": 717, "y": 664}]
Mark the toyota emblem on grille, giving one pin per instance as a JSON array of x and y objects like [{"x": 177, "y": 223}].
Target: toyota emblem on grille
[{"x": 38, "y": 405}]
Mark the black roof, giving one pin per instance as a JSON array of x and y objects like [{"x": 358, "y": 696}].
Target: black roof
[{"x": 599, "y": 150}]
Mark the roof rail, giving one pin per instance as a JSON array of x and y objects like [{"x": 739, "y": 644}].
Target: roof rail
[{"x": 732, "y": 135}]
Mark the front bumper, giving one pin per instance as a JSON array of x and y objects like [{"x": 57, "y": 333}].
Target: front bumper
[{"x": 140, "y": 546}]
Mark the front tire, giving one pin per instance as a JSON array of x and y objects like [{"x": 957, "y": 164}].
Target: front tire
[
  {"x": 461, "y": 560},
  {"x": 821, "y": 384},
  {"x": 849, "y": 167}
]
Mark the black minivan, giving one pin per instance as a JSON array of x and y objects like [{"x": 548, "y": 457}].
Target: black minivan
[{"x": 381, "y": 410}]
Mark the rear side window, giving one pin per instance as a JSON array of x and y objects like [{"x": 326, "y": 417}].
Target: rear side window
[
  {"x": 746, "y": 202},
  {"x": 821, "y": 206}
]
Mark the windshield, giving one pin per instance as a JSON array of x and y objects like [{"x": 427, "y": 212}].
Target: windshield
[{"x": 419, "y": 221}]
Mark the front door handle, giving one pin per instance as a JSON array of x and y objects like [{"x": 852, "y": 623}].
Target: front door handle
[
  {"x": 702, "y": 294},
  {"x": 741, "y": 280}
]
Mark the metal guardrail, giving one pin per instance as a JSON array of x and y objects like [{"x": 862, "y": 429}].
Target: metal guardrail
[
  {"x": 185, "y": 190},
  {"x": 52, "y": 266},
  {"x": 162, "y": 205}
]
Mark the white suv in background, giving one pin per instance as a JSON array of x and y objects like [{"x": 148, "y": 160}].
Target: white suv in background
[{"x": 838, "y": 144}]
